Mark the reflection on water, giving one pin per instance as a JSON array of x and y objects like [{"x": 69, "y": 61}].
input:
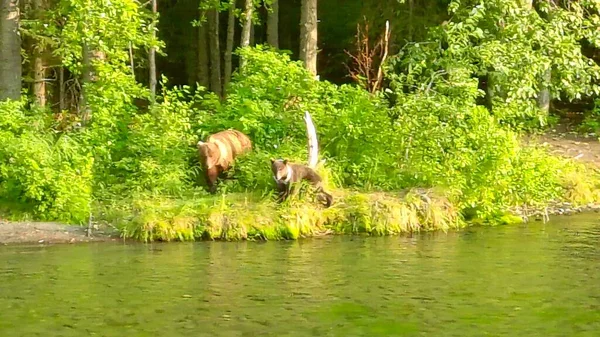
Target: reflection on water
[{"x": 528, "y": 280}]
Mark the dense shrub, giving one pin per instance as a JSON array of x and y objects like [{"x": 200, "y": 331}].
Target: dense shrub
[
  {"x": 45, "y": 174},
  {"x": 267, "y": 100},
  {"x": 148, "y": 150}
]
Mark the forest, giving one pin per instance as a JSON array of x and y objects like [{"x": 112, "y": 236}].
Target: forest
[{"x": 420, "y": 107}]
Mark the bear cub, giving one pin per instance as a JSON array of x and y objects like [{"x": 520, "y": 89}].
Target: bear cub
[{"x": 286, "y": 173}]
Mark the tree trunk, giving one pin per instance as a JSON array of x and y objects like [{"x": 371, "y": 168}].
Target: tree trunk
[
  {"x": 308, "y": 35},
  {"x": 544, "y": 98},
  {"x": 202, "y": 70},
  {"x": 10, "y": 51},
  {"x": 544, "y": 94},
  {"x": 229, "y": 43},
  {"x": 39, "y": 79},
  {"x": 411, "y": 30},
  {"x": 61, "y": 89},
  {"x": 88, "y": 76},
  {"x": 38, "y": 62},
  {"x": 131, "y": 61},
  {"x": 152, "y": 54},
  {"x": 273, "y": 25},
  {"x": 215, "y": 52},
  {"x": 246, "y": 29}
]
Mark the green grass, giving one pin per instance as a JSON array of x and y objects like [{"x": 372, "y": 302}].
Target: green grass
[{"x": 246, "y": 216}]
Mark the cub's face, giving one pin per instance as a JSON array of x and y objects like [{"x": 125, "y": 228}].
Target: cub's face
[
  {"x": 209, "y": 154},
  {"x": 279, "y": 169}
]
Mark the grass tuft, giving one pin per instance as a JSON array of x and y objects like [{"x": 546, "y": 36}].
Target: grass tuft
[{"x": 247, "y": 216}]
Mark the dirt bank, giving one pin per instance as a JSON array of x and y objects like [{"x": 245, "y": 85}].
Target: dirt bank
[
  {"x": 50, "y": 232},
  {"x": 563, "y": 141}
]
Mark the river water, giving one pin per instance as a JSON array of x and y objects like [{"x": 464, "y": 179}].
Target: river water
[{"x": 526, "y": 280}]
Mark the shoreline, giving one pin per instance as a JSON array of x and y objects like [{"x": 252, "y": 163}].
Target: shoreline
[
  {"x": 52, "y": 233},
  {"x": 216, "y": 224},
  {"x": 45, "y": 233}
]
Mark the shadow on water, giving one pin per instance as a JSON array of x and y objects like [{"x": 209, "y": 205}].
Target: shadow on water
[{"x": 528, "y": 280}]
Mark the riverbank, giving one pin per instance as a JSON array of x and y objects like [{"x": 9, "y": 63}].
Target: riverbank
[
  {"x": 51, "y": 233},
  {"x": 251, "y": 216},
  {"x": 246, "y": 216}
]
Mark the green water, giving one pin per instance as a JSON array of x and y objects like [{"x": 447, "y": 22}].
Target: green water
[{"x": 527, "y": 280}]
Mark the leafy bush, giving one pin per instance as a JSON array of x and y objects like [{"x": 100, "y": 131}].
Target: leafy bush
[
  {"x": 140, "y": 150},
  {"x": 267, "y": 101},
  {"x": 48, "y": 175},
  {"x": 507, "y": 43}
]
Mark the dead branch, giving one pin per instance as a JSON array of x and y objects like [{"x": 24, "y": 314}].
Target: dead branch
[
  {"x": 386, "y": 40},
  {"x": 313, "y": 145},
  {"x": 367, "y": 61}
]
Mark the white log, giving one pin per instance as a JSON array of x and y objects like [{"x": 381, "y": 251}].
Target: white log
[{"x": 313, "y": 145}]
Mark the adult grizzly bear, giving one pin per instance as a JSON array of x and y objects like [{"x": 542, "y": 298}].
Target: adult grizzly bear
[{"x": 218, "y": 153}]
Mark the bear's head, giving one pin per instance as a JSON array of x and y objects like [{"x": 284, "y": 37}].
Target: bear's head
[
  {"x": 280, "y": 169},
  {"x": 209, "y": 153}
]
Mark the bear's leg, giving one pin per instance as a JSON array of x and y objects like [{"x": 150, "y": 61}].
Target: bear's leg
[
  {"x": 211, "y": 179},
  {"x": 283, "y": 191}
]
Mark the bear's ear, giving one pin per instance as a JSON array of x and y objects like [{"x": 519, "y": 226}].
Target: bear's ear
[
  {"x": 200, "y": 144},
  {"x": 285, "y": 161},
  {"x": 272, "y": 160}
]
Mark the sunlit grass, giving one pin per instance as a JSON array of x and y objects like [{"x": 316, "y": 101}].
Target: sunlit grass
[{"x": 248, "y": 216}]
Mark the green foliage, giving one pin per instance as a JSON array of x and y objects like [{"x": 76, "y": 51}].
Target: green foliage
[
  {"x": 591, "y": 122},
  {"x": 268, "y": 99},
  {"x": 507, "y": 42},
  {"x": 147, "y": 151},
  {"x": 48, "y": 175}
]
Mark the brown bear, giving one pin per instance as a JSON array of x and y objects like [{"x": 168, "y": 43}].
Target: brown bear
[
  {"x": 218, "y": 153},
  {"x": 285, "y": 174}
]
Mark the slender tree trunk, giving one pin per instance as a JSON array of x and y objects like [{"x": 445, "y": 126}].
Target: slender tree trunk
[
  {"x": 89, "y": 57},
  {"x": 229, "y": 43},
  {"x": 10, "y": 50},
  {"x": 215, "y": 52},
  {"x": 308, "y": 35},
  {"x": 246, "y": 28},
  {"x": 273, "y": 25},
  {"x": 131, "y": 61},
  {"x": 544, "y": 96},
  {"x": 490, "y": 90},
  {"x": 39, "y": 64},
  {"x": 191, "y": 57},
  {"x": 84, "y": 109},
  {"x": 152, "y": 54},
  {"x": 61, "y": 89},
  {"x": 39, "y": 79},
  {"x": 203, "y": 70},
  {"x": 411, "y": 9}
]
